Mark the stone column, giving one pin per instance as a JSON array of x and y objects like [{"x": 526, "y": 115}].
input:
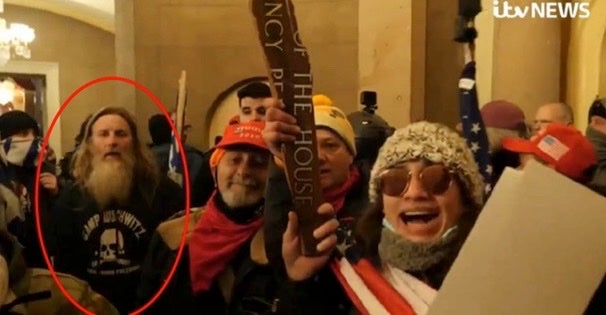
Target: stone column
[
  {"x": 443, "y": 62},
  {"x": 391, "y": 57},
  {"x": 584, "y": 59},
  {"x": 407, "y": 54},
  {"x": 602, "y": 89},
  {"x": 526, "y": 65},
  {"x": 125, "y": 53}
]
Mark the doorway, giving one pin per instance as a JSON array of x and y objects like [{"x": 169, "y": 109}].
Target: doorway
[
  {"x": 50, "y": 97},
  {"x": 25, "y": 92},
  {"x": 226, "y": 107}
]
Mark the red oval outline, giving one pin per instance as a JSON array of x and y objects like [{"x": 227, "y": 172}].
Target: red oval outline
[{"x": 41, "y": 155}]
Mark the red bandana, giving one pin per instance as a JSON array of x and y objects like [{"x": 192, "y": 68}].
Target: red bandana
[
  {"x": 336, "y": 197},
  {"x": 214, "y": 243}
]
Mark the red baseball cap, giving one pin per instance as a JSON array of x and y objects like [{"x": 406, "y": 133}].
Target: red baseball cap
[
  {"x": 563, "y": 147},
  {"x": 249, "y": 133},
  {"x": 234, "y": 120}
]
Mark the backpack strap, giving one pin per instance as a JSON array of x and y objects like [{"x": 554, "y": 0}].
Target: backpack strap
[
  {"x": 38, "y": 281},
  {"x": 42, "y": 295}
]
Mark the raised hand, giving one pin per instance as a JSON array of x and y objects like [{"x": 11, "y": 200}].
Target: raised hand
[
  {"x": 280, "y": 127},
  {"x": 49, "y": 182},
  {"x": 298, "y": 266}
]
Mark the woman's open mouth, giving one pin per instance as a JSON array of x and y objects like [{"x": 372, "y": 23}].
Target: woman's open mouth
[
  {"x": 418, "y": 216},
  {"x": 421, "y": 225}
]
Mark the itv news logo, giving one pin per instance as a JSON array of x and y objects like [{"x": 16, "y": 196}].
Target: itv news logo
[{"x": 541, "y": 10}]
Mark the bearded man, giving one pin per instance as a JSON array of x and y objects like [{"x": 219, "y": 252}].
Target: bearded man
[
  {"x": 224, "y": 238},
  {"x": 103, "y": 223}
]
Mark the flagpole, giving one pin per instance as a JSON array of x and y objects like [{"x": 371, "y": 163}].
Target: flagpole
[
  {"x": 474, "y": 129},
  {"x": 181, "y": 103},
  {"x": 175, "y": 165}
]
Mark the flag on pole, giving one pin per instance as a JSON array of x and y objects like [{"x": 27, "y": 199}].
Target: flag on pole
[
  {"x": 473, "y": 126},
  {"x": 175, "y": 165}
]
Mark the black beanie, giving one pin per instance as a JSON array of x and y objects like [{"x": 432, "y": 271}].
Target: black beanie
[{"x": 16, "y": 121}]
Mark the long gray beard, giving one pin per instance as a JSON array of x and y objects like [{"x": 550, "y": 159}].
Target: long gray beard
[
  {"x": 425, "y": 258},
  {"x": 111, "y": 181}
]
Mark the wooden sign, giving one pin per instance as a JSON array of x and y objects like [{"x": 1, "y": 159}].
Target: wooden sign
[{"x": 291, "y": 81}]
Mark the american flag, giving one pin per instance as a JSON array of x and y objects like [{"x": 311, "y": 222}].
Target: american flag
[
  {"x": 553, "y": 147},
  {"x": 473, "y": 126},
  {"x": 175, "y": 166}
]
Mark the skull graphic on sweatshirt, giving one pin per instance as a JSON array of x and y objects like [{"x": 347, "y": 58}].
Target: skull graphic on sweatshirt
[{"x": 111, "y": 248}]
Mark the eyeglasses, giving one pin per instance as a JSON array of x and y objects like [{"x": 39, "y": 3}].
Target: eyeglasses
[{"x": 435, "y": 179}]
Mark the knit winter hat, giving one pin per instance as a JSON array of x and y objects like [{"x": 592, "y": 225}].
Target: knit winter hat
[
  {"x": 326, "y": 114},
  {"x": 16, "y": 121},
  {"x": 433, "y": 142}
]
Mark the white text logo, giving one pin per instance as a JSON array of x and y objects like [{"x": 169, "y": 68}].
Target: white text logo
[{"x": 543, "y": 10}]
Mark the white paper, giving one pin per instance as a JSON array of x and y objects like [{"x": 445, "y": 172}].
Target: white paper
[{"x": 538, "y": 247}]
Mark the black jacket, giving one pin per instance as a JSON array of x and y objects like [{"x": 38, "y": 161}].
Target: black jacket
[
  {"x": 21, "y": 181},
  {"x": 160, "y": 258},
  {"x": 249, "y": 281},
  {"x": 107, "y": 247},
  {"x": 321, "y": 294},
  {"x": 200, "y": 178}
]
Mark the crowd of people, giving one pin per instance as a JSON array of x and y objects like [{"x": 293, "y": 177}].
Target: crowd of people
[{"x": 112, "y": 220}]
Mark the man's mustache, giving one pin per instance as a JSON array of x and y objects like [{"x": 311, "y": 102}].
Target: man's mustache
[
  {"x": 112, "y": 152},
  {"x": 248, "y": 182}
]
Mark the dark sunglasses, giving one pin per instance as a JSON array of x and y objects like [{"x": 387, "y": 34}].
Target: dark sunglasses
[{"x": 435, "y": 179}]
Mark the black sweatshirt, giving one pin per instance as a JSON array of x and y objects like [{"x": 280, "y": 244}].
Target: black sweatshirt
[{"x": 107, "y": 247}]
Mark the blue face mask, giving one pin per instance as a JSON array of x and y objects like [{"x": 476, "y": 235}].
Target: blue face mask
[
  {"x": 387, "y": 225},
  {"x": 22, "y": 153}
]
